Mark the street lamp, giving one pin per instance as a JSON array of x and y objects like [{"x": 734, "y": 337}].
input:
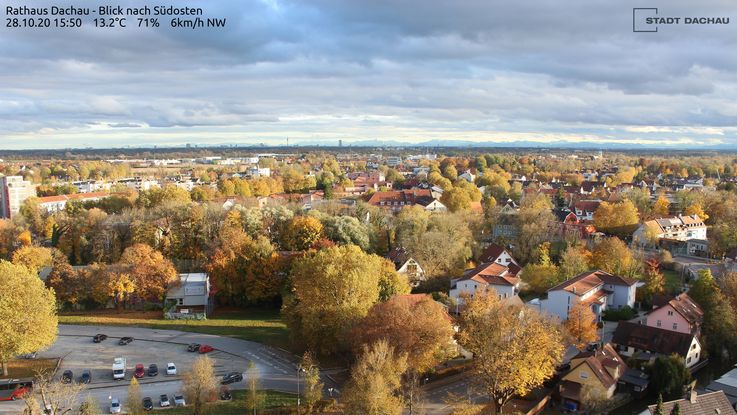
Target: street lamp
[{"x": 300, "y": 369}]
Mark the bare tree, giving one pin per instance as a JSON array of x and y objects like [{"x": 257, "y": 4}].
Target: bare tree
[
  {"x": 51, "y": 396},
  {"x": 254, "y": 397}
]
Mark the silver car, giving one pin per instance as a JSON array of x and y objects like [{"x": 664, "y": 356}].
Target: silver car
[{"x": 115, "y": 406}]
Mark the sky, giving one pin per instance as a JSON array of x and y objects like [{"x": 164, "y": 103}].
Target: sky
[{"x": 401, "y": 71}]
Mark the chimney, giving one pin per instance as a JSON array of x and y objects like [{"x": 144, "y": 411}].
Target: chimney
[
  {"x": 693, "y": 396},
  {"x": 574, "y": 289}
]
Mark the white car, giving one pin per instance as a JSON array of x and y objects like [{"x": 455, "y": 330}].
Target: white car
[
  {"x": 179, "y": 400},
  {"x": 171, "y": 369},
  {"x": 164, "y": 401},
  {"x": 115, "y": 406}
]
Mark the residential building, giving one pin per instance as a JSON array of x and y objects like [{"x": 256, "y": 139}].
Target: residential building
[
  {"x": 599, "y": 289},
  {"x": 681, "y": 228},
  {"x": 52, "y": 204},
  {"x": 467, "y": 176},
  {"x": 679, "y": 314},
  {"x": 395, "y": 200},
  {"x": 138, "y": 183},
  {"x": 90, "y": 186},
  {"x": 727, "y": 384},
  {"x": 406, "y": 265},
  {"x": 504, "y": 280},
  {"x": 497, "y": 253},
  {"x": 13, "y": 192},
  {"x": 647, "y": 342},
  {"x": 711, "y": 403},
  {"x": 585, "y": 209},
  {"x": 600, "y": 369},
  {"x": 192, "y": 296}
]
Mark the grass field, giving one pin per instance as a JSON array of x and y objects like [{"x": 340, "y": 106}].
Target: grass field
[
  {"x": 263, "y": 326},
  {"x": 672, "y": 281},
  {"x": 26, "y": 368},
  {"x": 278, "y": 402}
]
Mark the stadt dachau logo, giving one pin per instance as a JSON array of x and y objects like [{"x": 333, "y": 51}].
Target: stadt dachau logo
[{"x": 647, "y": 20}]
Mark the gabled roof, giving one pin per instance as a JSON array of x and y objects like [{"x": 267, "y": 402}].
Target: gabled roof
[
  {"x": 714, "y": 403},
  {"x": 601, "y": 362},
  {"x": 587, "y": 205},
  {"x": 491, "y": 273},
  {"x": 493, "y": 252},
  {"x": 408, "y": 197},
  {"x": 652, "y": 339},
  {"x": 686, "y": 307},
  {"x": 589, "y": 280}
]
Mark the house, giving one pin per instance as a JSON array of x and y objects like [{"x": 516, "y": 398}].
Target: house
[
  {"x": 52, "y": 204},
  {"x": 598, "y": 288},
  {"x": 191, "y": 297},
  {"x": 467, "y": 176},
  {"x": 406, "y": 265},
  {"x": 681, "y": 228},
  {"x": 679, "y": 314},
  {"x": 485, "y": 277},
  {"x": 395, "y": 200},
  {"x": 727, "y": 384},
  {"x": 585, "y": 209},
  {"x": 647, "y": 342},
  {"x": 14, "y": 190},
  {"x": 498, "y": 254},
  {"x": 600, "y": 369},
  {"x": 711, "y": 403},
  {"x": 568, "y": 224}
]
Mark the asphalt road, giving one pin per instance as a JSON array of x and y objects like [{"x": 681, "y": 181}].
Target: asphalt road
[{"x": 277, "y": 368}]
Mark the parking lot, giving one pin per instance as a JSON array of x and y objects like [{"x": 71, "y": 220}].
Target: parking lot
[{"x": 79, "y": 353}]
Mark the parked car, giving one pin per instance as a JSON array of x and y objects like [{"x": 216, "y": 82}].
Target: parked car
[
  {"x": 206, "y": 348},
  {"x": 99, "y": 338},
  {"x": 179, "y": 400},
  {"x": 140, "y": 372},
  {"x": 171, "y": 369},
  {"x": 231, "y": 377},
  {"x": 86, "y": 377},
  {"x": 67, "y": 376},
  {"x": 148, "y": 404},
  {"x": 153, "y": 370},
  {"x": 31, "y": 355},
  {"x": 193, "y": 347},
  {"x": 225, "y": 394},
  {"x": 125, "y": 340},
  {"x": 115, "y": 406},
  {"x": 164, "y": 401}
]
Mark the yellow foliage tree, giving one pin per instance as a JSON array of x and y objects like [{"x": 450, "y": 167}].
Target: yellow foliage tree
[
  {"x": 375, "y": 381},
  {"x": 661, "y": 207},
  {"x": 28, "y": 319},
  {"x": 581, "y": 325},
  {"x": 697, "y": 210}
]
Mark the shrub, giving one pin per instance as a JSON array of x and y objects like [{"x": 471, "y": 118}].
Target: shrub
[{"x": 624, "y": 313}]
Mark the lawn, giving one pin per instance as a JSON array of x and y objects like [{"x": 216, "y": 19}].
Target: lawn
[
  {"x": 27, "y": 368},
  {"x": 262, "y": 325},
  {"x": 278, "y": 402},
  {"x": 672, "y": 281}
]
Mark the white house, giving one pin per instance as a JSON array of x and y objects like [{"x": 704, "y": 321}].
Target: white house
[
  {"x": 599, "y": 289},
  {"x": 680, "y": 228},
  {"x": 647, "y": 342},
  {"x": 407, "y": 266},
  {"x": 498, "y": 254},
  {"x": 191, "y": 296},
  {"x": 483, "y": 278},
  {"x": 467, "y": 176}
]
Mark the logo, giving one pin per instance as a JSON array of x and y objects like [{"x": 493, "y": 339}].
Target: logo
[{"x": 648, "y": 20}]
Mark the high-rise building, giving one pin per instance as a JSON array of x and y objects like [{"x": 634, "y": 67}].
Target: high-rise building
[{"x": 13, "y": 191}]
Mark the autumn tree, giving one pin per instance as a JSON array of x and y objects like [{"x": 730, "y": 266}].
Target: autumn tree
[
  {"x": 51, "y": 396},
  {"x": 135, "y": 403},
  {"x": 33, "y": 257},
  {"x": 255, "y": 397},
  {"x": 313, "y": 385},
  {"x": 515, "y": 350},
  {"x": 301, "y": 233},
  {"x": 534, "y": 219},
  {"x": 719, "y": 327},
  {"x": 613, "y": 256},
  {"x": 151, "y": 273},
  {"x": 581, "y": 325},
  {"x": 414, "y": 325},
  {"x": 24, "y": 294},
  {"x": 661, "y": 207},
  {"x": 200, "y": 384},
  {"x": 654, "y": 280},
  {"x": 573, "y": 261},
  {"x": 543, "y": 274},
  {"x": 619, "y": 219},
  {"x": 332, "y": 289},
  {"x": 375, "y": 381},
  {"x": 696, "y": 209}
]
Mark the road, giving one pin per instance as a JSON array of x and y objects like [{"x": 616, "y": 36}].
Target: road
[{"x": 277, "y": 368}]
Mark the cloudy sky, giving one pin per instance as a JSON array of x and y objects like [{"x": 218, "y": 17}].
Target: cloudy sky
[{"x": 394, "y": 70}]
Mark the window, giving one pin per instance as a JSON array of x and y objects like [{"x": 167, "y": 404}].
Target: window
[
  {"x": 181, "y": 301},
  {"x": 670, "y": 312},
  {"x": 688, "y": 360},
  {"x": 658, "y": 323},
  {"x": 569, "y": 300},
  {"x": 675, "y": 326},
  {"x": 584, "y": 375}
]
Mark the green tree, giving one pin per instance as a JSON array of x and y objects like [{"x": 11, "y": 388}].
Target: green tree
[
  {"x": 719, "y": 329},
  {"x": 668, "y": 375},
  {"x": 24, "y": 294},
  {"x": 375, "y": 381}
]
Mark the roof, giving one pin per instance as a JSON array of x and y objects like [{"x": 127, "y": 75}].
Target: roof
[
  {"x": 652, "y": 339},
  {"x": 727, "y": 383},
  {"x": 408, "y": 197},
  {"x": 73, "y": 196},
  {"x": 599, "y": 361},
  {"x": 680, "y": 221},
  {"x": 714, "y": 403},
  {"x": 491, "y": 273},
  {"x": 589, "y": 280},
  {"x": 587, "y": 205}
]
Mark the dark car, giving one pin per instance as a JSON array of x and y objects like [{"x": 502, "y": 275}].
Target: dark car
[
  {"x": 125, "y": 340},
  {"x": 139, "y": 372},
  {"x": 193, "y": 347},
  {"x": 86, "y": 377},
  {"x": 99, "y": 338},
  {"x": 565, "y": 367},
  {"x": 153, "y": 370},
  {"x": 205, "y": 348},
  {"x": 231, "y": 377},
  {"x": 67, "y": 376},
  {"x": 148, "y": 404},
  {"x": 225, "y": 394}
]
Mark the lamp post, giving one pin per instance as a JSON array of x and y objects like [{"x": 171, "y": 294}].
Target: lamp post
[{"x": 299, "y": 370}]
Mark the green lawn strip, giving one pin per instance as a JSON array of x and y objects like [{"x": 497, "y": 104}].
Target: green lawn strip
[
  {"x": 237, "y": 405},
  {"x": 672, "y": 281},
  {"x": 263, "y": 326}
]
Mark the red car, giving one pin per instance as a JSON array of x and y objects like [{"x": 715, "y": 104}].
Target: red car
[
  {"x": 206, "y": 348},
  {"x": 140, "y": 372}
]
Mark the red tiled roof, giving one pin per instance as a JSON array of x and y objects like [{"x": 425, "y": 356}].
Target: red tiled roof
[
  {"x": 73, "y": 196},
  {"x": 589, "y": 280},
  {"x": 408, "y": 197},
  {"x": 491, "y": 273}
]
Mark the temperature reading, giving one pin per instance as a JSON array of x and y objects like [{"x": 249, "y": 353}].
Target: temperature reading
[{"x": 110, "y": 22}]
